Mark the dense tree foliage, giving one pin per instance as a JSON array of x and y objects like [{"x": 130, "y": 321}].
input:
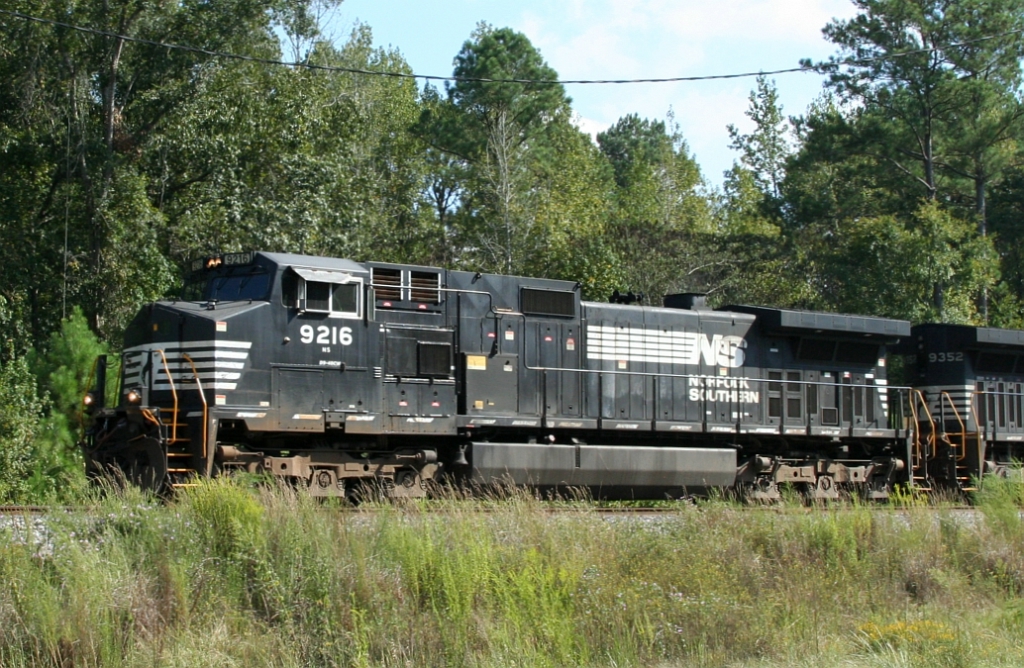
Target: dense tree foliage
[
  {"x": 21, "y": 417},
  {"x": 935, "y": 112},
  {"x": 660, "y": 203},
  {"x": 899, "y": 192},
  {"x": 498, "y": 140}
]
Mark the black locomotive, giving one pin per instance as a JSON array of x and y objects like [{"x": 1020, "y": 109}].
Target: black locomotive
[
  {"x": 333, "y": 373},
  {"x": 968, "y": 402}
]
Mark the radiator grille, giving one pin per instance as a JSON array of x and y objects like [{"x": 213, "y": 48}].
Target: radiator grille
[
  {"x": 387, "y": 283},
  {"x": 435, "y": 359},
  {"x": 548, "y": 302},
  {"x": 425, "y": 286}
]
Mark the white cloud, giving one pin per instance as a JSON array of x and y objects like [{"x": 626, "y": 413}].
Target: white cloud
[
  {"x": 667, "y": 37},
  {"x": 760, "y": 20},
  {"x": 703, "y": 117},
  {"x": 611, "y": 39},
  {"x": 590, "y": 126}
]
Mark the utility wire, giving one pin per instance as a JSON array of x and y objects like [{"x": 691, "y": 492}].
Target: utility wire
[{"x": 804, "y": 67}]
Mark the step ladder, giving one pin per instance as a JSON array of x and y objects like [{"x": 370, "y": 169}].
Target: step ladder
[
  {"x": 180, "y": 456},
  {"x": 176, "y": 432},
  {"x": 966, "y": 477},
  {"x": 923, "y": 446}
]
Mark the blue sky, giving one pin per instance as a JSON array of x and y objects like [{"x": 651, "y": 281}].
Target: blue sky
[{"x": 603, "y": 39}]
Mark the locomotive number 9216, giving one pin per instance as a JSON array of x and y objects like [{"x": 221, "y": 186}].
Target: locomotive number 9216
[{"x": 324, "y": 335}]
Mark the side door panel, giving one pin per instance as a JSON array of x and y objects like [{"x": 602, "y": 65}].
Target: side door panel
[
  {"x": 300, "y": 399},
  {"x": 570, "y": 381}
]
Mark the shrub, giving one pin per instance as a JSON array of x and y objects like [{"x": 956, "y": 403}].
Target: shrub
[
  {"x": 20, "y": 414},
  {"x": 64, "y": 372}
]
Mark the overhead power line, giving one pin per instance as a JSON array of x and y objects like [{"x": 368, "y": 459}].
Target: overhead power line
[{"x": 808, "y": 67}]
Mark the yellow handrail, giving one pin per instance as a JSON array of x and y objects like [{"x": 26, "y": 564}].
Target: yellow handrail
[
  {"x": 963, "y": 429},
  {"x": 917, "y": 432},
  {"x": 148, "y": 414},
  {"x": 917, "y": 437},
  {"x": 174, "y": 393},
  {"x": 977, "y": 423},
  {"x": 202, "y": 395}
]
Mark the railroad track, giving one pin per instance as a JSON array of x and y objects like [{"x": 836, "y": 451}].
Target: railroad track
[
  {"x": 38, "y": 510},
  {"x": 559, "y": 509}
]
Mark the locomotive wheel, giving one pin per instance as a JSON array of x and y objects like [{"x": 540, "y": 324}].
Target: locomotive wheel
[{"x": 146, "y": 465}]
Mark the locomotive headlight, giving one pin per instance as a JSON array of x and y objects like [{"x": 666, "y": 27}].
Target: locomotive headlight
[
  {"x": 88, "y": 400},
  {"x": 134, "y": 396}
]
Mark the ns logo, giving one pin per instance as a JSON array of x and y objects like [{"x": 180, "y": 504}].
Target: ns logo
[{"x": 719, "y": 350}]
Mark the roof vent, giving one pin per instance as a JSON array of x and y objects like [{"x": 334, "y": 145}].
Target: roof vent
[
  {"x": 627, "y": 298},
  {"x": 687, "y": 300}
]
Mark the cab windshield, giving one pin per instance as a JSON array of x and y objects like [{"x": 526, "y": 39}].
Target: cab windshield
[{"x": 241, "y": 287}]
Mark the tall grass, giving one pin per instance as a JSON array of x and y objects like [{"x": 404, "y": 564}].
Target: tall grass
[{"x": 230, "y": 575}]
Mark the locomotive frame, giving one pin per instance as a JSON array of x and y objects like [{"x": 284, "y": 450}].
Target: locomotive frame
[{"x": 331, "y": 373}]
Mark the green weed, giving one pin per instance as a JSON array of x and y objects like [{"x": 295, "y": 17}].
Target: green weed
[{"x": 235, "y": 574}]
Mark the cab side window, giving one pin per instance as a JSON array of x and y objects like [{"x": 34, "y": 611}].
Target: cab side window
[
  {"x": 345, "y": 298},
  {"x": 340, "y": 295},
  {"x": 318, "y": 296}
]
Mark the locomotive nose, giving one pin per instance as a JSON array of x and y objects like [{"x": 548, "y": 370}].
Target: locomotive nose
[{"x": 185, "y": 347}]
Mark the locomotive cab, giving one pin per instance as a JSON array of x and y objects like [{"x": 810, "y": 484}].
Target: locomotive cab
[
  {"x": 268, "y": 362},
  {"x": 970, "y": 401}
]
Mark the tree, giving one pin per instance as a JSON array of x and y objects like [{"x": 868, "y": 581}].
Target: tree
[
  {"x": 990, "y": 113},
  {"x": 889, "y": 267},
  {"x": 526, "y": 109},
  {"x": 79, "y": 110},
  {"x": 20, "y": 414},
  {"x": 64, "y": 370},
  {"x": 1006, "y": 226},
  {"x": 298, "y": 160},
  {"x": 892, "y": 61},
  {"x": 302, "y": 22},
  {"x": 765, "y": 150},
  {"x": 761, "y": 265},
  {"x": 660, "y": 208},
  {"x": 499, "y": 132},
  {"x": 633, "y": 142},
  {"x": 758, "y": 263},
  {"x": 934, "y": 80},
  {"x": 573, "y": 208}
]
